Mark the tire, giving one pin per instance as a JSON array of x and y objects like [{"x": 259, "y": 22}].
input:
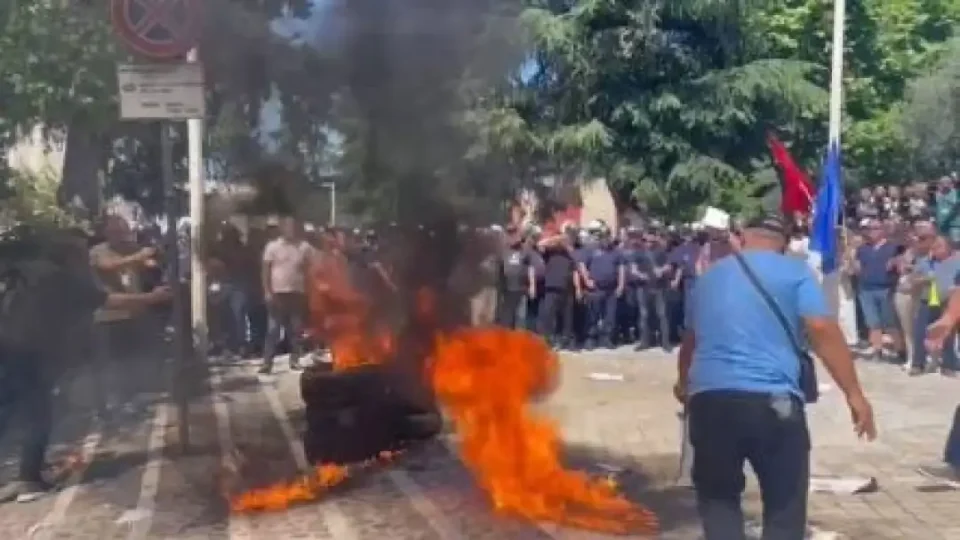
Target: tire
[
  {"x": 361, "y": 432},
  {"x": 421, "y": 426},
  {"x": 335, "y": 390},
  {"x": 349, "y": 435}
]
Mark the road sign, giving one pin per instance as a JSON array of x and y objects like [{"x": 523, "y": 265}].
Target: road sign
[
  {"x": 157, "y": 29},
  {"x": 161, "y": 91}
]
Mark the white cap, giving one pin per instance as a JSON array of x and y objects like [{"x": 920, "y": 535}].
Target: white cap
[
  {"x": 308, "y": 227},
  {"x": 714, "y": 218},
  {"x": 272, "y": 221}
]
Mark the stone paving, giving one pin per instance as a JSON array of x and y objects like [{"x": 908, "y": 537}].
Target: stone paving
[{"x": 137, "y": 484}]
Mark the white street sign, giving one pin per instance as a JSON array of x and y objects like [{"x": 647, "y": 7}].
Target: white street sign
[{"x": 161, "y": 91}]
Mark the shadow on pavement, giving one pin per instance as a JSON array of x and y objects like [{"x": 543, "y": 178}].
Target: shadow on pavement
[{"x": 648, "y": 481}]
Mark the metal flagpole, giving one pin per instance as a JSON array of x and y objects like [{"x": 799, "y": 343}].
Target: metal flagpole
[
  {"x": 836, "y": 71},
  {"x": 832, "y": 282}
]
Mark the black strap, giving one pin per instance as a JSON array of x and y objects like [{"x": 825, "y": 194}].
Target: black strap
[{"x": 771, "y": 303}]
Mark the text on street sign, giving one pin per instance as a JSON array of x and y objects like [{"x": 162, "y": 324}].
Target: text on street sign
[{"x": 161, "y": 91}]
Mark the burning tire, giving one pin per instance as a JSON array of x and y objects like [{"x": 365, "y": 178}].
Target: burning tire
[
  {"x": 324, "y": 388},
  {"x": 352, "y": 416}
]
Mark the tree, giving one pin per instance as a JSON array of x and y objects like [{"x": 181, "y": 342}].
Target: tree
[
  {"x": 669, "y": 98},
  {"x": 932, "y": 115},
  {"x": 888, "y": 42},
  {"x": 58, "y": 69}
]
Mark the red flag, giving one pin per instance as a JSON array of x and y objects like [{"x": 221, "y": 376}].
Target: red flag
[{"x": 797, "y": 189}]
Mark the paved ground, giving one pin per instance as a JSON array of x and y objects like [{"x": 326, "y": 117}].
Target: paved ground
[{"x": 133, "y": 483}]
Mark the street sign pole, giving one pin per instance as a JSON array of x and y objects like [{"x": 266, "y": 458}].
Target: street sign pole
[
  {"x": 198, "y": 272},
  {"x": 168, "y": 89},
  {"x": 179, "y": 350}
]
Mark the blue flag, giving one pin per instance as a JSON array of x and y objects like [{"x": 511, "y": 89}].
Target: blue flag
[{"x": 826, "y": 211}]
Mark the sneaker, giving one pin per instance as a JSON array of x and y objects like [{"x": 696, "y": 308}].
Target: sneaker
[
  {"x": 295, "y": 365},
  {"x": 24, "y": 491},
  {"x": 942, "y": 474},
  {"x": 948, "y": 373},
  {"x": 265, "y": 370}
]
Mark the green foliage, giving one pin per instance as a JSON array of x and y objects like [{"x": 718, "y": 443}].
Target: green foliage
[
  {"x": 31, "y": 199},
  {"x": 57, "y": 68},
  {"x": 932, "y": 115},
  {"x": 887, "y": 43},
  {"x": 57, "y": 63},
  {"x": 672, "y": 99}
]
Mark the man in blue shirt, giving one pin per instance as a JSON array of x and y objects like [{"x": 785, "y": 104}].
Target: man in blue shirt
[
  {"x": 739, "y": 377},
  {"x": 683, "y": 260},
  {"x": 603, "y": 271},
  {"x": 875, "y": 268},
  {"x": 653, "y": 261}
]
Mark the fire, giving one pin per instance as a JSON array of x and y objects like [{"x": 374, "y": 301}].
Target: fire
[
  {"x": 309, "y": 487},
  {"x": 485, "y": 378},
  {"x": 279, "y": 497},
  {"x": 344, "y": 316}
]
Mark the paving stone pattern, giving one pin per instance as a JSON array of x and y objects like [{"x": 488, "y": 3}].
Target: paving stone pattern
[{"x": 134, "y": 489}]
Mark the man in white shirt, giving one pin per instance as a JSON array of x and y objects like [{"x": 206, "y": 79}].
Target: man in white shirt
[{"x": 286, "y": 264}]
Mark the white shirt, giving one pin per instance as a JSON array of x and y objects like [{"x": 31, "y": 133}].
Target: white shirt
[{"x": 288, "y": 264}]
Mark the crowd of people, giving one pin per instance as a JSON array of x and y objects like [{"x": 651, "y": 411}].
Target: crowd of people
[{"x": 645, "y": 286}]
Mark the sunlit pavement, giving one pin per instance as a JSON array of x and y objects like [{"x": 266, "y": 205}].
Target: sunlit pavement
[{"x": 137, "y": 484}]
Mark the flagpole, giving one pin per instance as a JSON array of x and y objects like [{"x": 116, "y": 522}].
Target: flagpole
[
  {"x": 831, "y": 283},
  {"x": 836, "y": 71}
]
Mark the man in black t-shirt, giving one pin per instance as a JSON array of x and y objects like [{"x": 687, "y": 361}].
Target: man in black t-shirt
[
  {"x": 43, "y": 299},
  {"x": 516, "y": 281},
  {"x": 560, "y": 289}
]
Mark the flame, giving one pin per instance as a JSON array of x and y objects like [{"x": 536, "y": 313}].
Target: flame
[
  {"x": 309, "y": 487},
  {"x": 485, "y": 378},
  {"x": 344, "y": 316}
]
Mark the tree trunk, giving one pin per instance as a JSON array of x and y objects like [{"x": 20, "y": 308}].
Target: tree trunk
[{"x": 80, "y": 190}]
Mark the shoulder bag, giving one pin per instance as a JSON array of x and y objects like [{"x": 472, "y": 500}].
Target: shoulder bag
[{"x": 808, "y": 372}]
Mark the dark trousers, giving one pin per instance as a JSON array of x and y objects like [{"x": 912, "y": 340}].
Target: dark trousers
[
  {"x": 510, "y": 309},
  {"x": 127, "y": 361},
  {"x": 286, "y": 315},
  {"x": 926, "y": 315},
  {"x": 652, "y": 314},
  {"x": 556, "y": 306},
  {"x": 26, "y": 389},
  {"x": 533, "y": 310},
  {"x": 770, "y": 432},
  {"x": 257, "y": 313},
  {"x": 951, "y": 454},
  {"x": 602, "y": 315}
]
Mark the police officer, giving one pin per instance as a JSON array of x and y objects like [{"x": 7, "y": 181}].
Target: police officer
[
  {"x": 656, "y": 293},
  {"x": 605, "y": 277},
  {"x": 536, "y": 262},
  {"x": 631, "y": 247},
  {"x": 561, "y": 287}
]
